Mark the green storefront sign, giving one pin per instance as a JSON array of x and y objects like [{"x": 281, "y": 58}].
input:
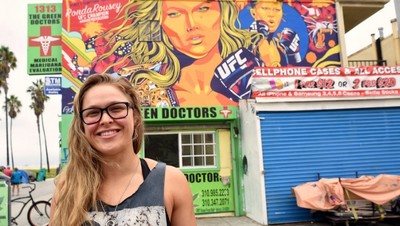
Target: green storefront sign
[
  {"x": 189, "y": 113},
  {"x": 210, "y": 194}
]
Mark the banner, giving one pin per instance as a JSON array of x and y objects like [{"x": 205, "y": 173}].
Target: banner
[
  {"x": 44, "y": 39},
  {"x": 338, "y": 82}
]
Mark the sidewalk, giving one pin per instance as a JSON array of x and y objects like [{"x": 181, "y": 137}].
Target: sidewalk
[
  {"x": 245, "y": 221},
  {"x": 226, "y": 221}
]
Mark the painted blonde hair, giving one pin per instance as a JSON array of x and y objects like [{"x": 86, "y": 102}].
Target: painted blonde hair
[
  {"x": 78, "y": 184},
  {"x": 142, "y": 52}
]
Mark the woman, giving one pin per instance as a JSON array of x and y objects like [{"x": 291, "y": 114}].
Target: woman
[
  {"x": 282, "y": 49},
  {"x": 105, "y": 182},
  {"x": 189, "y": 40},
  {"x": 270, "y": 14}
]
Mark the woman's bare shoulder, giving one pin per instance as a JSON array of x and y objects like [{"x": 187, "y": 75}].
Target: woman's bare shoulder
[
  {"x": 150, "y": 162},
  {"x": 171, "y": 172}
]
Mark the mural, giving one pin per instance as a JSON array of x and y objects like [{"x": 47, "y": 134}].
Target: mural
[{"x": 193, "y": 53}]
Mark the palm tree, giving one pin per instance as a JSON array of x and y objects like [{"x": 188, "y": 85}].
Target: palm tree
[
  {"x": 15, "y": 106},
  {"x": 45, "y": 142},
  {"x": 38, "y": 98},
  {"x": 37, "y": 112},
  {"x": 7, "y": 62}
]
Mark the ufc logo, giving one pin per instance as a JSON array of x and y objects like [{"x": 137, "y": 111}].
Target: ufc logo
[{"x": 231, "y": 64}]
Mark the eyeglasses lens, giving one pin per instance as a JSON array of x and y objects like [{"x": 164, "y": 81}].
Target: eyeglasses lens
[{"x": 115, "y": 111}]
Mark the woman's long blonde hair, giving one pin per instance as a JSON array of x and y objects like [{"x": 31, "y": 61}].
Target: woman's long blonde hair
[{"x": 78, "y": 184}]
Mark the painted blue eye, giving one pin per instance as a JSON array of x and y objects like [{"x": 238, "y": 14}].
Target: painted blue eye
[
  {"x": 203, "y": 9},
  {"x": 174, "y": 14}
]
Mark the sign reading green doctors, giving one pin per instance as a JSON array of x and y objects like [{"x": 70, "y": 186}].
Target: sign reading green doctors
[{"x": 189, "y": 113}]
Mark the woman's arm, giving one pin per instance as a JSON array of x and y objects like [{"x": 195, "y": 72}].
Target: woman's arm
[{"x": 180, "y": 198}]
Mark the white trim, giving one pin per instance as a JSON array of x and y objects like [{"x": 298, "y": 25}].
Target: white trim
[
  {"x": 262, "y": 172},
  {"x": 307, "y": 105}
]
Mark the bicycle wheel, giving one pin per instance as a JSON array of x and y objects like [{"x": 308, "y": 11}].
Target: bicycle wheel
[
  {"x": 38, "y": 213},
  {"x": 48, "y": 208}
]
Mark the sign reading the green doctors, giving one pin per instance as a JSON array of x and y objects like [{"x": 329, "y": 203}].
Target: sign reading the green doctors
[
  {"x": 44, "y": 39},
  {"x": 189, "y": 113},
  {"x": 210, "y": 195},
  {"x": 3, "y": 203}
]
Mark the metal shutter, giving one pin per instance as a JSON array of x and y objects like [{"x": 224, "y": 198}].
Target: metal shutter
[{"x": 334, "y": 143}]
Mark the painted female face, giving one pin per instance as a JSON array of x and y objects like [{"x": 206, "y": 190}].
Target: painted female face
[
  {"x": 193, "y": 27},
  {"x": 269, "y": 12},
  {"x": 108, "y": 136}
]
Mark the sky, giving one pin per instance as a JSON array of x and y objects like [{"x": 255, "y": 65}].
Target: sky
[
  {"x": 25, "y": 141},
  {"x": 25, "y": 135}
]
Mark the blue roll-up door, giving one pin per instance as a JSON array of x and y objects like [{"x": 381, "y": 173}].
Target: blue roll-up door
[{"x": 334, "y": 143}]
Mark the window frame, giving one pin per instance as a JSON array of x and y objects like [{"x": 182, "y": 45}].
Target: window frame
[{"x": 214, "y": 144}]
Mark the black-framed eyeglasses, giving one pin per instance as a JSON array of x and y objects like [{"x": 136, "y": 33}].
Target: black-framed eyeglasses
[{"x": 93, "y": 115}]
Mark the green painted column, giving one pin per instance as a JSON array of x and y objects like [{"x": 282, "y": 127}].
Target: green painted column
[{"x": 5, "y": 200}]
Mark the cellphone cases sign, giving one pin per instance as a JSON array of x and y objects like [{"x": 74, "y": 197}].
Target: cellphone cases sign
[
  {"x": 44, "y": 39},
  {"x": 338, "y": 82}
]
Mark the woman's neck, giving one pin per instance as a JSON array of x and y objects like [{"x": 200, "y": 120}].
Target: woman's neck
[
  {"x": 119, "y": 165},
  {"x": 214, "y": 56},
  {"x": 120, "y": 181},
  {"x": 203, "y": 66}
]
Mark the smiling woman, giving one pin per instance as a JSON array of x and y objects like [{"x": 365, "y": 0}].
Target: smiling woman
[{"x": 105, "y": 182}]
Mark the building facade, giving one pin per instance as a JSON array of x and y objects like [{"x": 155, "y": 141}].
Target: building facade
[
  {"x": 193, "y": 65},
  {"x": 388, "y": 48}
]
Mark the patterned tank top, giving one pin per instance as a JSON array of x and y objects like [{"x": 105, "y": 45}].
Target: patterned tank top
[{"x": 144, "y": 207}]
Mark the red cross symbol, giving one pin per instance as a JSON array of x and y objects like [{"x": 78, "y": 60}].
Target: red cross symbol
[
  {"x": 45, "y": 41},
  {"x": 226, "y": 112}
]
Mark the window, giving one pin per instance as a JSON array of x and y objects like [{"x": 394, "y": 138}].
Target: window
[
  {"x": 198, "y": 149},
  {"x": 162, "y": 147},
  {"x": 150, "y": 31},
  {"x": 183, "y": 150}
]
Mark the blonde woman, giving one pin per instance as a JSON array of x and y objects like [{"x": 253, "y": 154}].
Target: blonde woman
[{"x": 105, "y": 182}]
